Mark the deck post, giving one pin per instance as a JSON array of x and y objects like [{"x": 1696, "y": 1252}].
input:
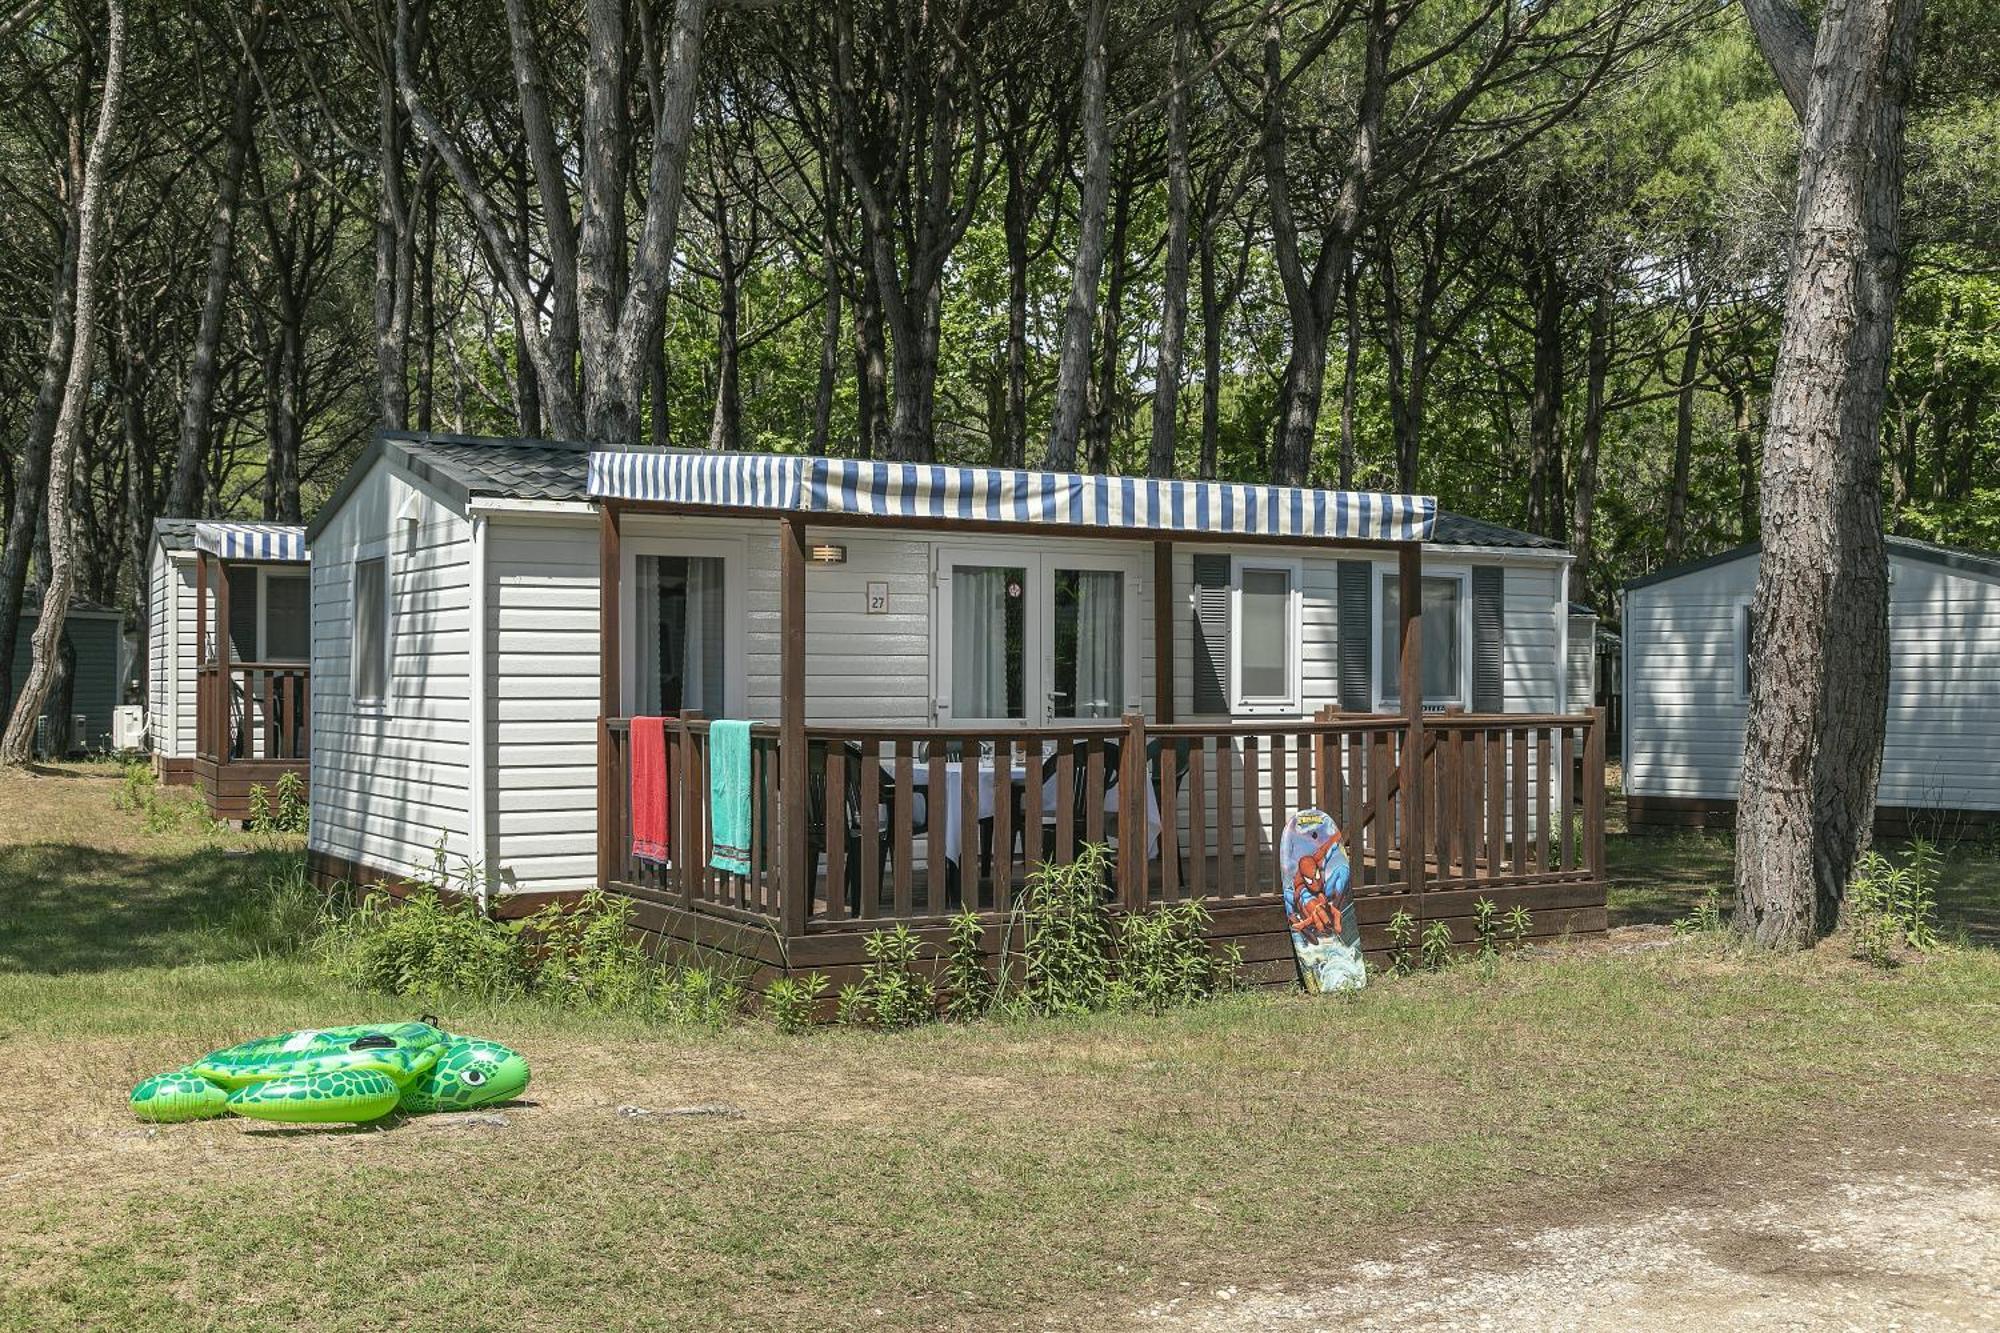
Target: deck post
[
  {"x": 200, "y": 652},
  {"x": 224, "y": 742},
  {"x": 1163, "y": 631},
  {"x": 610, "y": 688},
  {"x": 794, "y": 876},
  {"x": 1410, "y": 594}
]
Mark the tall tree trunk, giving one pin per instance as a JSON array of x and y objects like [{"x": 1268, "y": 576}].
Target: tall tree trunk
[
  {"x": 1173, "y": 296},
  {"x": 725, "y": 426},
  {"x": 1211, "y": 348},
  {"x": 1073, "y": 355},
  {"x": 1544, "y": 285},
  {"x": 1677, "y": 490},
  {"x": 1350, "y": 374},
  {"x": 392, "y": 302},
  {"x": 1597, "y": 371},
  {"x": 1015, "y": 216},
  {"x": 198, "y": 402},
  {"x": 57, "y": 587},
  {"x": 1110, "y": 321},
  {"x": 1812, "y": 749},
  {"x": 871, "y": 372},
  {"x": 830, "y": 286}
]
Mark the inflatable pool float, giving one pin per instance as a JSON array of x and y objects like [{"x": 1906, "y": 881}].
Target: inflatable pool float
[{"x": 342, "y": 1075}]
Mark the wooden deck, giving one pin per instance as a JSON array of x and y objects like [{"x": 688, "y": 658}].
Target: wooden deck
[{"x": 1508, "y": 807}]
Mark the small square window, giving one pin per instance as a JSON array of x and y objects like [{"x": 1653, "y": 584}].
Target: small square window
[
  {"x": 1444, "y": 640},
  {"x": 371, "y": 632}
]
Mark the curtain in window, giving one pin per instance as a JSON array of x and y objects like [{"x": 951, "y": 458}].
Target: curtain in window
[
  {"x": 680, "y": 632},
  {"x": 646, "y": 634},
  {"x": 1442, "y": 641},
  {"x": 982, "y": 642},
  {"x": 1096, "y": 672},
  {"x": 704, "y": 669}
]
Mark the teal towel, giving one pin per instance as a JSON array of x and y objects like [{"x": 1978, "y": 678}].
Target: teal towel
[{"x": 729, "y": 796}]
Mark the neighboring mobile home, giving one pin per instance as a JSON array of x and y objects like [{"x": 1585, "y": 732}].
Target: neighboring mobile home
[
  {"x": 1687, "y": 689},
  {"x": 900, "y": 627},
  {"x": 229, "y": 711},
  {"x": 94, "y": 633}
]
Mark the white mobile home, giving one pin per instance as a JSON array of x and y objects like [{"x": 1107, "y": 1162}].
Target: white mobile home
[
  {"x": 467, "y": 698},
  {"x": 227, "y": 710},
  {"x": 1687, "y": 667}
]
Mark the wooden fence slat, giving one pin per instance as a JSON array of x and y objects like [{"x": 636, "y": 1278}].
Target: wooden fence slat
[
  {"x": 868, "y": 804},
  {"x": 1197, "y": 787},
  {"x": 1496, "y": 801},
  {"x": 1065, "y": 848},
  {"x": 836, "y": 832},
  {"x": 971, "y": 851},
  {"x": 1565, "y": 772},
  {"x": 1003, "y": 823},
  {"x": 1252, "y": 811},
  {"x": 1520, "y": 788},
  {"x": 902, "y": 837},
  {"x": 936, "y": 868},
  {"x": 1353, "y": 793},
  {"x": 1227, "y": 881},
  {"x": 1541, "y": 800},
  {"x": 1170, "y": 863}
]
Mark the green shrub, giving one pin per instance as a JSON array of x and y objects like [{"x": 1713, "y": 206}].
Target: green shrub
[
  {"x": 690, "y": 995},
  {"x": 1436, "y": 946},
  {"x": 1519, "y": 921},
  {"x": 891, "y": 992},
  {"x": 1706, "y": 918},
  {"x": 429, "y": 947},
  {"x": 1891, "y": 906},
  {"x": 968, "y": 984},
  {"x": 257, "y": 816},
  {"x": 135, "y": 788},
  {"x": 791, "y": 1001},
  {"x": 1066, "y": 936},
  {"x": 1402, "y": 938},
  {"x": 586, "y": 957},
  {"x": 1164, "y": 959},
  {"x": 291, "y": 810}
]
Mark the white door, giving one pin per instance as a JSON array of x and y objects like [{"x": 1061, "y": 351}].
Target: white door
[{"x": 1028, "y": 639}]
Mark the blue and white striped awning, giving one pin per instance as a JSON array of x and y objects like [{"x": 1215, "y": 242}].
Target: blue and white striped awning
[
  {"x": 994, "y": 495},
  {"x": 268, "y": 542}
]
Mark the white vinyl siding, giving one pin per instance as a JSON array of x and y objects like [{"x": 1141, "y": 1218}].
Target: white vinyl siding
[
  {"x": 170, "y": 649},
  {"x": 389, "y": 786},
  {"x": 1685, "y": 710}
]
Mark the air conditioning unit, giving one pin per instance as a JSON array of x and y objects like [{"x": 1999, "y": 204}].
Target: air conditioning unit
[{"x": 128, "y": 727}]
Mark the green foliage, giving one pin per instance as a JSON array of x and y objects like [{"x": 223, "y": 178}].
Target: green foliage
[
  {"x": 430, "y": 946},
  {"x": 1706, "y": 918},
  {"x": 850, "y": 1005},
  {"x": 1486, "y": 927},
  {"x": 586, "y": 957},
  {"x": 892, "y": 993},
  {"x": 1890, "y": 906},
  {"x": 1165, "y": 962},
  {"x": 1402, "y": 936},
  {"x": 136, "y": 787},
  {"x": 791, "y": 1001},
  {"x": 968, "y": 984},
  {"x": 258, "y": 817},
  {"x": 1436, "y": 947},
  {"x": 1519, "y": 921},
  {"x": 292, "y": 811},
  {"x": 1066, "y": 936}
]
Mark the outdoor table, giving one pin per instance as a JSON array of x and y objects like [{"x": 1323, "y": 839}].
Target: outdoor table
[{"x": 954, "y": 805}]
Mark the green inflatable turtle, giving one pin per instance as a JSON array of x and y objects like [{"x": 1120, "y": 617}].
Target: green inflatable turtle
[{"x": 336, "y": 1076}]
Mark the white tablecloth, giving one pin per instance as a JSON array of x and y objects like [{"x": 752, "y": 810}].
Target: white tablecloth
[{"x": 954, "y": 805}]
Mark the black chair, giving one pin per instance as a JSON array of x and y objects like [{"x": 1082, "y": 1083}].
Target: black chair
[{"x": 1082, "y": 797}]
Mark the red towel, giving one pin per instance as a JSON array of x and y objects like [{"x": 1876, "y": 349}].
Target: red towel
[{"x": 649, "y": 788}]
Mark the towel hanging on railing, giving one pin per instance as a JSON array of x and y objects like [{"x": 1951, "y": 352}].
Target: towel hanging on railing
[
  {"x": 729, "y": 795},
  {"x": 649, "y": 788}
]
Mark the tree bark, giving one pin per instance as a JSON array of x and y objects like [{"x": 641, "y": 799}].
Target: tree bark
[
  {"x": 57, "y": 587},
  {"x": 1173, "y": 296},
  {"x": 1073, "y": 358},
  {"x": 1350, "y": 374},
  {"x": 1543, "y": 284},
  {"x": 1819, "y": 669},
  {"x": 1110, "y": 328},
  {"x": 184, "y": 495}
]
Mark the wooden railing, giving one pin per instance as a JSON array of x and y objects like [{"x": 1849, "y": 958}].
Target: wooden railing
[
  {"x": 912, "y": 824},
  {"x": 254, "y": 710}
]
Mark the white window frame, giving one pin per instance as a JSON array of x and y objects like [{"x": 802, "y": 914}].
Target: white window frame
[
  {"x": 734, "y": 553},
  {"x": 374, "y": 551},
  {"x": 1038, "y": 671},
  {"x": 1287, "y": 703},
  {"x": 1739, "y": 634},
  {"x": 1462, "y": 574}
]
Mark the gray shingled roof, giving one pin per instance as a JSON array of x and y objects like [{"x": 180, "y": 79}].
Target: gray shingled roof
[
  {"x": 174, "y": 531},
  {"x": 555, "y": 470}
]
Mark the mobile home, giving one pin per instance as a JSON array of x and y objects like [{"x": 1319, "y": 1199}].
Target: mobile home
[{"x": 922, "y": 651}]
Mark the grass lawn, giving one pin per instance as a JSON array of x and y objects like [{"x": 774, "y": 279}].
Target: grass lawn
[{"x": 1047, "y": 1174}]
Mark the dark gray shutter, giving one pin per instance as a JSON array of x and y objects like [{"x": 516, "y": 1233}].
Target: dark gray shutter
[
  {"x": 1211, "y": 633},
  {"x": 1489, "y": 632},
  {"x": 243, "y": 613},
  {"x": 1355, "y": 628}
]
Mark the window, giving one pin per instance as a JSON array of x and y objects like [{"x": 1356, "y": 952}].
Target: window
[
  {"x": 682, "y": 629},
  {"x": 287, "y": 618},
  {"x": 989, "y": 635},
  {"x": 1444, "y": 640},
  {"x": 1743, "y": 642},
  {"x": 371, "y": 632},
  {"x": 1265, "y": 632},
  {"x": 1089, "y": 634}
]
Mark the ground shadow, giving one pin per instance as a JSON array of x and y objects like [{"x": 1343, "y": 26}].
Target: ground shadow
[
  {"x": 1659, "y": 878},
  {"x": 71, "y": 908}
]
